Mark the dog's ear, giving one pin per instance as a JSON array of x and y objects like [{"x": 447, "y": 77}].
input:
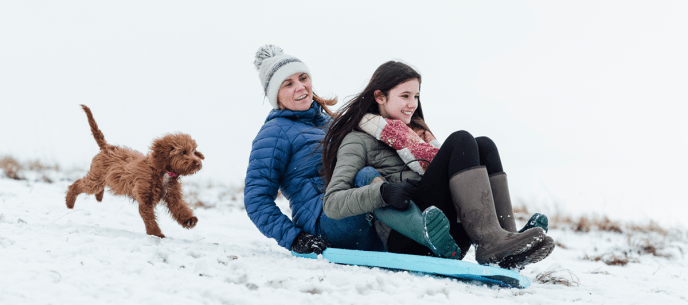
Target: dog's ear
[
  {"x": 200, "y": 155},
  {"x": 161, "y": 154}
]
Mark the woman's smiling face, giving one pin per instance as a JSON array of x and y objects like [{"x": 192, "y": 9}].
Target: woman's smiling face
[
  {"x": 296, "y": 92},
  {"x": 400, "y": 102}
]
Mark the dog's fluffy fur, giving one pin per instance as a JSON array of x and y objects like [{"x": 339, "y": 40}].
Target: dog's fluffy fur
[{"x": 148, "y": 179}]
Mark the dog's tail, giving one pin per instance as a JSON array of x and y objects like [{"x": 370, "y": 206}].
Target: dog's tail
[{"x": 97, "y": 134}]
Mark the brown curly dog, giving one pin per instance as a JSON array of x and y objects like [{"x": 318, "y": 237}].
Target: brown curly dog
[{"x": 149, "y": 179}]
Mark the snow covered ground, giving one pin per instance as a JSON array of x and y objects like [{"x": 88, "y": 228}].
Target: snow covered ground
[
  {"x": 582, "y": 97},
  {"x": 99, "y": 253}
]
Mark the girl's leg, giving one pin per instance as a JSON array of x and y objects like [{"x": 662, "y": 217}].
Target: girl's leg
[
  {"x": 489, "y": 157},
  {"x": 459, "y": 151},
  {"x": 455, "y": 178}
]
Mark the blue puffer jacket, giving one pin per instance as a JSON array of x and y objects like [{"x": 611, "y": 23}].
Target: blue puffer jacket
[{"x": 286, "y": 155}]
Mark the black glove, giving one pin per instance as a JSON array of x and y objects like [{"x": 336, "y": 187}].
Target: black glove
[
  {"x": 307, "y": 243},
  {"x": 398, "y": 194}
]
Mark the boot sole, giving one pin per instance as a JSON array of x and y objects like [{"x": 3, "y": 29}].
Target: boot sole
[
  {"x": 535, "y": 255},
  {"x": 437, "y": 234},
  {"x": 527, "y": 241}
]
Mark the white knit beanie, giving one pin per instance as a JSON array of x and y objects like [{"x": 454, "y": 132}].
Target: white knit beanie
[{"x": 274, "y": 67}]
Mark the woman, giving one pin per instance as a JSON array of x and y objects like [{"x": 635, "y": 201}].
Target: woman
[
  {"x": 383, "y": 127},
  {"x": 286, "y": 156}
]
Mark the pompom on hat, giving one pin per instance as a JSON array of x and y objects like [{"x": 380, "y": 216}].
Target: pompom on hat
[{"x": 274, "y": 67}]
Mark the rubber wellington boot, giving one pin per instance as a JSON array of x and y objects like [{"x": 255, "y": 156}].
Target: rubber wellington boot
[
  {"x": 505, "y": 212},
  {"x": 429, "y": 228},
  {"x": 532, "y": 256},
  {"x": 505, "y": 215},
  {"x": 472, "y": 197}
]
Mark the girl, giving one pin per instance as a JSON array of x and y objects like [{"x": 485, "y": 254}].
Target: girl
[{"x": 383, "y": 127}]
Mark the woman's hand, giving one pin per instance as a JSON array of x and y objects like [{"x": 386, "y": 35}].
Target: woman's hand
[
  {"x": 307, "y": 243},
  {"x": 398, "y": 194}
]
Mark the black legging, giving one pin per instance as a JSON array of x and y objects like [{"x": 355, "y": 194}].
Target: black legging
[{"x": 459, "y": 152}]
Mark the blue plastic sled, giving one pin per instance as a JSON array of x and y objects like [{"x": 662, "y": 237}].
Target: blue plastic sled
[{"x": 460, "y": 270}]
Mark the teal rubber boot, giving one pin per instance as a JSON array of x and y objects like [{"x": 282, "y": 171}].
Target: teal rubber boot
[
  {"x": 429, "y": 228},
  {"x": 537, "y": 220}
]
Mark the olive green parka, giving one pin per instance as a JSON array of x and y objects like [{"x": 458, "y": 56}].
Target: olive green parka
[{"x": 358, "y": 150}]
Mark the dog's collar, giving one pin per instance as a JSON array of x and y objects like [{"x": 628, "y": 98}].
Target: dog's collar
[{"x": 172, "y": 175}]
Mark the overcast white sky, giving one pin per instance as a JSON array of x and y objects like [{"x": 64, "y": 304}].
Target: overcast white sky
[{"x": 585, "y": 99}]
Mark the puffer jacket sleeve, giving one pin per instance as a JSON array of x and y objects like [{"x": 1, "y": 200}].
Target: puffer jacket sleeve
[
  {"x": 341, "y": 198},
  {"x": 269, "y": 156}
]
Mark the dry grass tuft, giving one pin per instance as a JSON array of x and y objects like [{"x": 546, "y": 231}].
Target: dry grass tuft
[
  {"x": 550, "y": 277},
  {"x": 646, "y": 245},
  {"x": 638, "y": 244},
  {"x": 585, "y": 224},
  {"x": 12, "y": 168},
  {"x": 37, "y": 165},
  {"x": 652, "y": 226},
  {"x": 607, "y": 225},
  {"x": 560, "y": 221},
  {"x": 612, "y": 259}
]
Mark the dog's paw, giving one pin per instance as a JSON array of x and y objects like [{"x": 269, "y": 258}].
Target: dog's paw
[
  {"x": 99, "y": 196},
  {"x": 190, "y": 223},
  {"x": 158, "y": 235}
]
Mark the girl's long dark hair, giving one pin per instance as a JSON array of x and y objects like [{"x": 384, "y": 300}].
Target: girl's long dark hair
[{"x": 386, "y": 77}]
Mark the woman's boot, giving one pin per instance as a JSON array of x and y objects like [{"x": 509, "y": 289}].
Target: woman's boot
[
  {"x": 472, "y": 197},
  {"x": 429, "y": 228},
  {"x": 505, "y": 212}
]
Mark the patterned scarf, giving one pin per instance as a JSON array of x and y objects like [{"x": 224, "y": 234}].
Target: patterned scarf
[{"x": 408, "y": 143}]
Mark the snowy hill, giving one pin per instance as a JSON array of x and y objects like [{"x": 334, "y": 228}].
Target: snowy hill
[{"x": 99, "y": 253}]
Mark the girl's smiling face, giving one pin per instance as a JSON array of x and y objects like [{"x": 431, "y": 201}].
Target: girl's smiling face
[
  {"x": 400, "y": 102},
  {"x": 296, "y": 92}
]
